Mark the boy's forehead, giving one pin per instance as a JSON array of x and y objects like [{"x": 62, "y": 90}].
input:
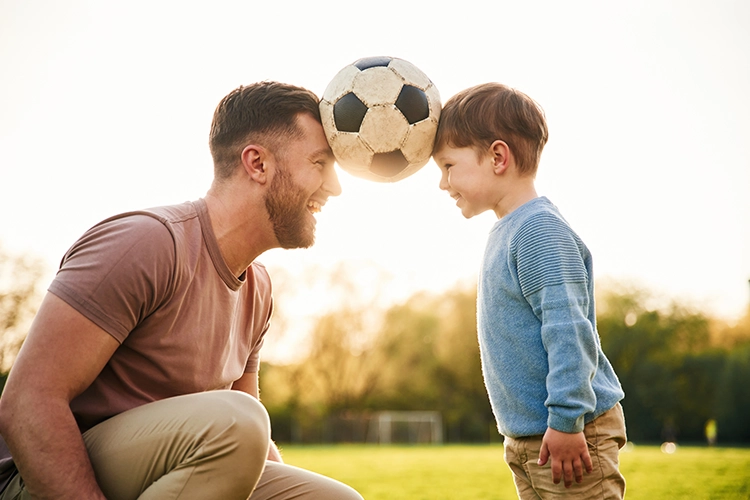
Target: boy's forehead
[
  {"x": 445, "y": 151},
  {"x": 442, "y": 151}
]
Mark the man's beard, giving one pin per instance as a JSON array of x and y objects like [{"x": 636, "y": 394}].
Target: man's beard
[{"x": 287, "y": 209}]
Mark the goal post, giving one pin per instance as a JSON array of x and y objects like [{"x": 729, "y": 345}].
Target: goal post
[{"x": 387, "y": 427}]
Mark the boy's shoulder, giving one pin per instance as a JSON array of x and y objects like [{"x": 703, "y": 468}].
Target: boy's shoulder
[
  {"x": 535, "y": 226},
  {"x": 539, "y": 212}
]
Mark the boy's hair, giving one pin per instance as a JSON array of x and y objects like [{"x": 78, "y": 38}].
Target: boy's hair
[
  {"x": 264, "y": 112},
  {"x": 480, "y": 115}
]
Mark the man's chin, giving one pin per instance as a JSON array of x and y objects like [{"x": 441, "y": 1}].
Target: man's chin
[
  {"x": 298, "y": 245},
  {"x": 300, "y": 241}
]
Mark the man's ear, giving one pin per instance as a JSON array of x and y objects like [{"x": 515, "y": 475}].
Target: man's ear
[
  {"x": 254, "y": 159},
  {"x": 501, "y": 156}
]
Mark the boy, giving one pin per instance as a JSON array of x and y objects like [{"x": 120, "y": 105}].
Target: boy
[{"x": 554, "y": 394}]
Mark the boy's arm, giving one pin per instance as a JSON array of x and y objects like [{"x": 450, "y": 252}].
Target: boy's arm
[
  {"x": 555, "y": 282},
  {"x": 572, "y": 355}
]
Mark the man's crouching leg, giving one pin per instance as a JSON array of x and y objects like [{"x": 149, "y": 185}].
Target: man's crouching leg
[
  {"x": 206, "y": 445},
  {"x": 281, "y": 481}
]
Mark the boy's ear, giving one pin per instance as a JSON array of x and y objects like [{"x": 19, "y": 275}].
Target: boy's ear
[
  {"x": 254, "y": 159},
  {"x": 501, "y": 156}
]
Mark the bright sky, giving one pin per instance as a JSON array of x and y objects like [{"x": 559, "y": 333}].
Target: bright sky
[{"x": 106, "y": 106}]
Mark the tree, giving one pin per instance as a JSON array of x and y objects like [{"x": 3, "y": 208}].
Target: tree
[
  {"x": 733, "y": 405},
  {"x": 675, "y": 375},
  {"x": 20, "y": 277}
]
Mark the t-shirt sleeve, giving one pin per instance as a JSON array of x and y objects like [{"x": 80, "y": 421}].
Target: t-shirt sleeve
[
  {"x": 118, "y": 272},
  {"x": 264, "y": 311},
  {"x": 554, "y": 280}
]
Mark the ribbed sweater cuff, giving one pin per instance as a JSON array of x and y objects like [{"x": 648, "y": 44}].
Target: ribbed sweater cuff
[{"x": 564, "y": 424}]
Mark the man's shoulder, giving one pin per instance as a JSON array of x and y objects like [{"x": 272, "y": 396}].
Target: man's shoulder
[
  {"x": 174, "y": 214},
  {"x": 154, "y": 238},
  {"x": 164, "y": 224},
  {"x": 151, "y": 217}
]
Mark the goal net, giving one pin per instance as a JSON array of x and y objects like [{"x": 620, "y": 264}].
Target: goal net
[{"x": 388, "y": 427}]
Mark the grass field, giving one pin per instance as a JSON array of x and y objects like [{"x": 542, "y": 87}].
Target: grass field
[{"x": 460, "y": 472}]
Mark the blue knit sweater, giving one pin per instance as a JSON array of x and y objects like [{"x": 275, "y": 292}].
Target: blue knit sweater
[{"x": 541, "y": 357}]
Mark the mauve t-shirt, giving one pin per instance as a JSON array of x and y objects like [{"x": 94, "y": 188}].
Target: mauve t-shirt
[{"x": 155, "y": 281}]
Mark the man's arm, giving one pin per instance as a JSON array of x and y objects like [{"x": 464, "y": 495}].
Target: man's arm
[
  {"x": 248, "y": 383},
  {"x": 62, "y": 355}
]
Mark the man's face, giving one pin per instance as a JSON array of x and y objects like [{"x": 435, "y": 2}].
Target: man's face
[{"x": 303, "y": 180}]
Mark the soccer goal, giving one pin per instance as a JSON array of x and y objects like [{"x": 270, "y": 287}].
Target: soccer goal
[{"x": 388, "y": 427}]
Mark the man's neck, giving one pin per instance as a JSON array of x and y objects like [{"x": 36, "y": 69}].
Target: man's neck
[{"x": 241, "y": 230}]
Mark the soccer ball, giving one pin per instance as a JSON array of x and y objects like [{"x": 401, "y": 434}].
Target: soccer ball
[{"x": 380, "y": 116}]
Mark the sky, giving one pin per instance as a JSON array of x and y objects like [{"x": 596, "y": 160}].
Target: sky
[{"x": 106, "y": 106}]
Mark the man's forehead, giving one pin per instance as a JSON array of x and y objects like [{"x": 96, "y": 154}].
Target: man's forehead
[{"x": 325, "y": 153}]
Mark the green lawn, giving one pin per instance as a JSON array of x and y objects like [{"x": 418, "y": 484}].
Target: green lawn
[{"x": 479, "y": 472}]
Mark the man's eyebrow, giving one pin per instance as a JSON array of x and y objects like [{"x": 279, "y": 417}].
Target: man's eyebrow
[{"x": 324, "y": 153}]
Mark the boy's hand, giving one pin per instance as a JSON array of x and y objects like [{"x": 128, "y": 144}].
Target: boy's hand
[{"x": 569, "y": 454}]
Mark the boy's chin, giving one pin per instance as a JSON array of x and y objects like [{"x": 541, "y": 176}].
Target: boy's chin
[{"x": 468, "y": 213}]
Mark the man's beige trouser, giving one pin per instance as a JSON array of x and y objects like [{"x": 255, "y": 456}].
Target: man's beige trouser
[{"x": 205, "y": 446}]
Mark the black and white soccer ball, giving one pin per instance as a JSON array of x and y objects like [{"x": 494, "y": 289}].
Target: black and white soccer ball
[{"x": 380, "y": 116}]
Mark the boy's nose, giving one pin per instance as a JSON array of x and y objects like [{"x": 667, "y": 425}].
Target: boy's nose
[{"x": 444, "y": 184}]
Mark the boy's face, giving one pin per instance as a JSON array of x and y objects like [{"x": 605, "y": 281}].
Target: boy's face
[{"x": 468, "y": 177}]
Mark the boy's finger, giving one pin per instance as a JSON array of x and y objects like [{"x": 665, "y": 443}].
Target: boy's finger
[
  {"x": 556, "y": 471},
  {"x": 568, "y": 473},
  {"x": 543, "y": 455},
  {"x": 587, "y": 462},
  {"x": 578, "y": 470}
]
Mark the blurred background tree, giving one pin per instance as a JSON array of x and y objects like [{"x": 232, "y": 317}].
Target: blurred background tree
[
  {"x": 359, "y": 355},
  {"x": 20, "y": 295},
  {"x": 679, "y": 367}
]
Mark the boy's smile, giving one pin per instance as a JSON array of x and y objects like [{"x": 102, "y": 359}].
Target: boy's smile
[{"x": 467, "y": 177}]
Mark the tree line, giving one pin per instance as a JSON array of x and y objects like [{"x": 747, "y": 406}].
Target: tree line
[{"x": 680, "y": 367}]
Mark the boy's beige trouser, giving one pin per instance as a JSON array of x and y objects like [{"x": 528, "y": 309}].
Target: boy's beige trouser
[
  {"x": 205, "y": 446},
  {"x": 605, "y": 436}
]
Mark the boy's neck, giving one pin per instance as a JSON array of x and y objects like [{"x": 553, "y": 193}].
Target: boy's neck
[{"x": 522, "y": 193}]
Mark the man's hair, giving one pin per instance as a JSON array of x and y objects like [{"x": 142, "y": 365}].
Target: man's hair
[
  {"x": 264, "y": 113},
  {"x": 480, "y": 115}
]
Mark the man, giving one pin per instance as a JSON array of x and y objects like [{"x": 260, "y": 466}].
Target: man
[{"x": 139, "y": 376}]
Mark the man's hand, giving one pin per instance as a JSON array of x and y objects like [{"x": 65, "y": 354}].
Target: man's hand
[
  {"x": 569, "y": 454},
  {"x": 274, "y": 454}
]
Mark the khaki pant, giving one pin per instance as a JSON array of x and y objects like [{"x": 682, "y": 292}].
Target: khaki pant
[
  {"x": 605, "y": 436},
  {"x": 203, "y": 446}
]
